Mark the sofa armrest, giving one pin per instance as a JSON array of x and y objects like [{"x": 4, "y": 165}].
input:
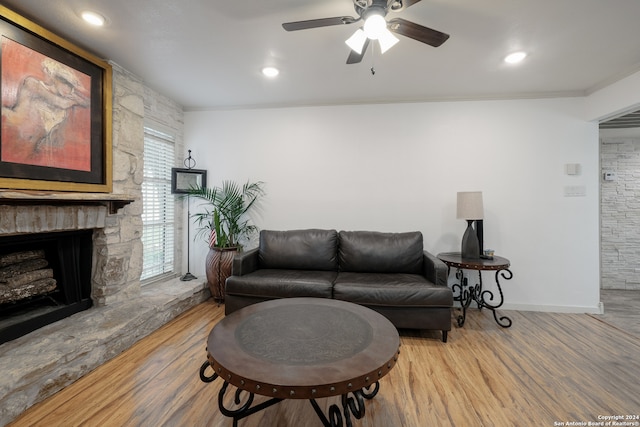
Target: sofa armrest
[
  {"x": 434, "y": 269},
  {"x": 245, "y": 262}
]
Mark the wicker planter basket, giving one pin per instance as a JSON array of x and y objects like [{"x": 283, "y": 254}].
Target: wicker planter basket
[{"x": 218, "y": 267}]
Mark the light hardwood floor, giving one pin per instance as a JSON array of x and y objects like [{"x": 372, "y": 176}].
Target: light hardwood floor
[
  {"x": 545, "y": 370},
  {"x": 621, "y": 309}
]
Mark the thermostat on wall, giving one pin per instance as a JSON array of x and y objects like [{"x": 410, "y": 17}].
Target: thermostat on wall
[{"x": 610, "y": 176}]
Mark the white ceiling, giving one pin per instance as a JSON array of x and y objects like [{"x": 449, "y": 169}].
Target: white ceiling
[{"x": 208, "y": 53}]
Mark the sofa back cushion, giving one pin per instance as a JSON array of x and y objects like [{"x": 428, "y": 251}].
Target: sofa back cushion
[
  {"x": 375, "y": 252},
  {"x": 311, "y": 249}
]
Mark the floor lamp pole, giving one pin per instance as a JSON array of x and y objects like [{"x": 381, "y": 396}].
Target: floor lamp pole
[{"x": 188, "y": 276}]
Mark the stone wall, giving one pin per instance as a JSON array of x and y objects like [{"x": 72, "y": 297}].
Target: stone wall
[
  {"x": 117, "y": 257},
  {"x": 620, "y": 214},
  {"x": 39, "y": 364},
  {"x": 118, "y": 251},
  {"x": 117, "y": 247}
]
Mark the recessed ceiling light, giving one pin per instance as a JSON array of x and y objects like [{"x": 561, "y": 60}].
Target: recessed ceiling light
[
  {"x": 270, "y": 71},
  {"x": 93, "y": 18},
  {"x": 515, "y": 57}
]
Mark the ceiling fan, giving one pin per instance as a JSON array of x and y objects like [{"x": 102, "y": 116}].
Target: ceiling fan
[{"x": 376, "y": 27}]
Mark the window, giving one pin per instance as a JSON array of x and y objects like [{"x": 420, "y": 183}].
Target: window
[{"x": 157, "y": 205}]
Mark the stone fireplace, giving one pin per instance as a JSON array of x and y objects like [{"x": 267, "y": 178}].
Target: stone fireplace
[
  {"x": 66, "y": 235},
  {"x": 44, "y": 277},
  {"x": 119, "y": 312},
  {"x": 37, "y": 365}
]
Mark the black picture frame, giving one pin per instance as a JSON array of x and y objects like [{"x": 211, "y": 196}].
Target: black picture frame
[
  {"x": 183, "y": 180},
  {"x": 97, "y": 175}
]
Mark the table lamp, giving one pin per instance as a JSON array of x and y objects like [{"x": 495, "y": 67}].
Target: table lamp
[{"x": 470, "y": 209}]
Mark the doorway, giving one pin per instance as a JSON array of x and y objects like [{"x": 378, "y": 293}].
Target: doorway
[
  {"x": 620, "y": 203},
  {"x": 620, "y": 221}
]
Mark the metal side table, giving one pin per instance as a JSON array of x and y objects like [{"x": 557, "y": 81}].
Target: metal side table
[{"x": 466, "y": 293}]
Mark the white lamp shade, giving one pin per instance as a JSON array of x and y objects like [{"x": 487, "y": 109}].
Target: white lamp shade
[
  {"x": 387, "y": 40},
  {"x": 356, "y": 41},
  {"x": 470, "y": 205}
]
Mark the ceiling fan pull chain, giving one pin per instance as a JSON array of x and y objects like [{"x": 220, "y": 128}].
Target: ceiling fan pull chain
[{"x": 373, "y": 60}]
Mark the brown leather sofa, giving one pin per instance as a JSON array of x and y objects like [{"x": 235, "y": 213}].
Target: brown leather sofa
[{"x": 390, "y": 273}]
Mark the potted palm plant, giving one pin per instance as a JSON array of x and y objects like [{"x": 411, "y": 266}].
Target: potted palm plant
[{"x": 226, "y": 224}]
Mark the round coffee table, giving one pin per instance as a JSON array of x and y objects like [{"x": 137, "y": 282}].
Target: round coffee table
[{"x": 301, "y": 348}]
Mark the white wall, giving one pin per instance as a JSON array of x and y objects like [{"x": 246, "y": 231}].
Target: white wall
[{"x": 397, "y": 167}]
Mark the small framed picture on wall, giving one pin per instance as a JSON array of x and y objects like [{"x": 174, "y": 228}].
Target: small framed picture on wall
[{"x": 184, "y": 180}]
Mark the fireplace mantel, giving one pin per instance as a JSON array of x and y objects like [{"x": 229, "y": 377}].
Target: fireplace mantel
[{"x": 112, "y": 201}]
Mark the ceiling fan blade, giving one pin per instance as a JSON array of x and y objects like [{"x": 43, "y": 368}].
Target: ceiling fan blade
[
  {"x": 355, "y": 57},
  {"x": 417, "y": 32},
  {"x": 315, "y": 23}
]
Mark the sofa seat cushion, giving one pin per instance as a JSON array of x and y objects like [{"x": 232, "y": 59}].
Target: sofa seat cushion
[
  {"x": 382, "y": 289},
  {"x": 276, "y": 283}
]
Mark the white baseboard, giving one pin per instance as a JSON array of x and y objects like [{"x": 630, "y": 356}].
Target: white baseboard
[{"x": 598, "y": 309}]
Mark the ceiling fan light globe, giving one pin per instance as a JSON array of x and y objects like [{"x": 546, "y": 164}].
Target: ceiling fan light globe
[
  {"x": 374, "y": 26},
  {"x": 356, "y": 41},
  {"x": 387, "y": 40}
]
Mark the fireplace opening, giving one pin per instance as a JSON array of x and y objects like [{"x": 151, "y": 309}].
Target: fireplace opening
[{"x": 44, "y": 278}]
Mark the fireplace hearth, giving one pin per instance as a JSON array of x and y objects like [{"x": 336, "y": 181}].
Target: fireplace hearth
[{"x": 68, "y": 256}]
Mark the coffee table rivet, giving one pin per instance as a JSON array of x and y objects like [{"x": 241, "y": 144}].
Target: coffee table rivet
[
  {"x": 291, "y": 393},
  {"x": 274, "y": 390},
  {"x": 314, "y": 391},
  {"x": 379, "y": 373},
  {"x": 367, "y": 379},
  {"x": 241, "y": 382},
  {"x": 332, "y": 389},
  {"x": 389, "y": 365},
  {"x": 349, "y": 385},
  {"x": 229, "y": 376},
  {"x": 257, "y": 386}
]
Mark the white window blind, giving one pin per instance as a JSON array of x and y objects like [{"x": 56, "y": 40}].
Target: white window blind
[{"x": 158, "y": 204}]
